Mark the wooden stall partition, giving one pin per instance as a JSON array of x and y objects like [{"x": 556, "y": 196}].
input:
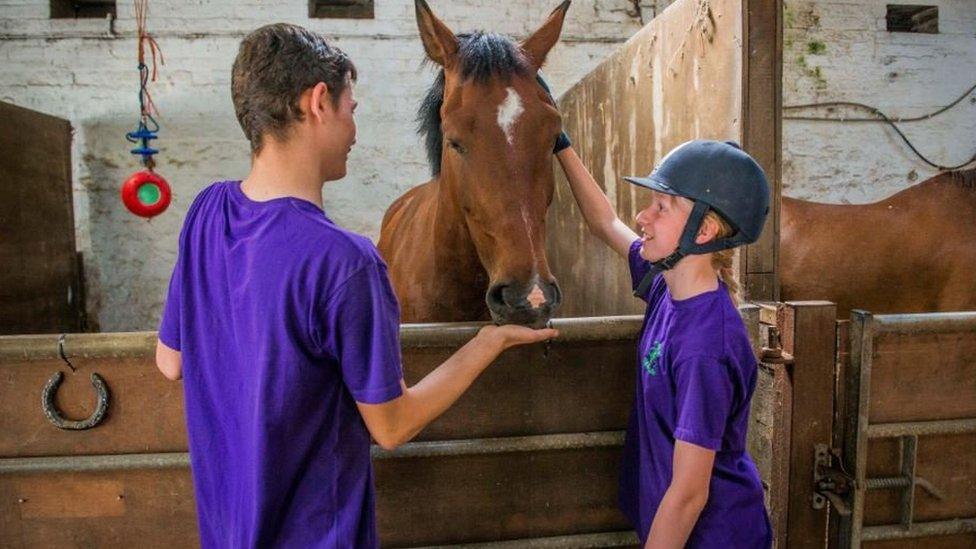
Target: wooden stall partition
[
  {"x": 910, "y": 433},
  {"x": 528, "y": 456},
  {"x": 531, "y": 452},
  {"x": 701, "y": 69},
  {"x": 41, "y": 288}
]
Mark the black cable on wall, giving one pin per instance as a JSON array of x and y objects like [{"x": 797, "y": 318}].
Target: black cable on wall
[{"x": 879, "y": 116}]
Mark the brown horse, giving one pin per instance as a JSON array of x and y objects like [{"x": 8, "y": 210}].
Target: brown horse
[
  {"x": 912, "y": 252},
  {"x": 471, "y": 241}
]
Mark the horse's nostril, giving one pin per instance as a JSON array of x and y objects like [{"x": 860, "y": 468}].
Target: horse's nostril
[
  {"x": 557, "y": 294},
  {"x": 505, "y": 296},
  {"x": 496, "y": 296}
]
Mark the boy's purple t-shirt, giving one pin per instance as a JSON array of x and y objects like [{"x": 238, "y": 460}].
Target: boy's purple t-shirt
[
  {"x": 284, "y": 320},
  {"x": 695, "y": 378}
]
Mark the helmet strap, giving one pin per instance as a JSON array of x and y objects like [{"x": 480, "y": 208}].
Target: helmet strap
[{"x": 687, "y": 244}]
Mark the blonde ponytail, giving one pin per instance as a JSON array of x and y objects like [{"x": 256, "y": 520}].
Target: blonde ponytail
[{"x": 722, "y": 260}]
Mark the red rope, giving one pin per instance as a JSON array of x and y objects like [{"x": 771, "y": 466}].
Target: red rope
[{"x": 156, "y": 55}]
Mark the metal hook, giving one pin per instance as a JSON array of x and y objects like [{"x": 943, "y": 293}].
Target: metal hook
[
  {"x": 55, "y": 417},
  {"x": 548, "y": 341},
  {"x": 62, "y": 355}
]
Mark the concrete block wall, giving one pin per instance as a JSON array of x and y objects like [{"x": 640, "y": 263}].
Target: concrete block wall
[
  {"x": 84, "y": 70},
  {"x": 840, "y": 50}
]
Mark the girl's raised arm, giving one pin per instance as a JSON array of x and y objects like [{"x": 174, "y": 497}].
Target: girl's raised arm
[{"x": 599, "y": 214}]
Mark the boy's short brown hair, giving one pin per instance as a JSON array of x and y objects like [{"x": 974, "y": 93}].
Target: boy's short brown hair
[{"x": 274, "y": 65}]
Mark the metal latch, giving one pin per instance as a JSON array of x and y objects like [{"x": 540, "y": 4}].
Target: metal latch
[
  {"x": 830, "y": 482},
  {"x": 772, "y": 351}
]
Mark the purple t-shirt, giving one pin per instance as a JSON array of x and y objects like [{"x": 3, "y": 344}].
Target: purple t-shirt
[
  {"x": 284, "y": 320},
  {"x": 695, "y": 378}
]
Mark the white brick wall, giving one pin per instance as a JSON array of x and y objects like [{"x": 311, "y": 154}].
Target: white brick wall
[
  {"x": 902, "y": 74},
  {"x": 77, "y": 70}
]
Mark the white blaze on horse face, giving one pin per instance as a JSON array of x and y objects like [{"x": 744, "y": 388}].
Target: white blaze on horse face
[
  {"x": 508, "y": 112},
  {"x": 536, "y": 298}
]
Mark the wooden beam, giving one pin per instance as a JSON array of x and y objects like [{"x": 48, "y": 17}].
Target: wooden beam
[
  {"x": 808, "y": 331},
  {"x": 762, "y": 135}
]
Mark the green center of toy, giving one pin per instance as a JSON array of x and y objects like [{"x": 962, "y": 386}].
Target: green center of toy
[{"x": 148, "y": 194}]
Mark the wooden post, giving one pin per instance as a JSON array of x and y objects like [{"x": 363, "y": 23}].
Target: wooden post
[
  {"x": 769, "y": 441},
  {"x": 762, "y": 135},
  {"x": 808, "y": 331}
]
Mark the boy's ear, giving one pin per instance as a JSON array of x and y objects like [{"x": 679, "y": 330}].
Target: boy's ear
[{"x": 315, "y": 100}]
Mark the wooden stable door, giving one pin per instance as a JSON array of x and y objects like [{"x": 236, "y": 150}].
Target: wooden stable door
[
  {"x": 909, "y": 431},
  {"x": 872, "y": 428},
  {"x": 40, "y": 282}
]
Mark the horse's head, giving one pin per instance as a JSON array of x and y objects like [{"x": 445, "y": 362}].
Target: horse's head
[{"x": 490, "y": 130}]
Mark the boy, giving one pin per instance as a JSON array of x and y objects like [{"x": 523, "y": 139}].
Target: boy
[{"x": 284, "y": 326}]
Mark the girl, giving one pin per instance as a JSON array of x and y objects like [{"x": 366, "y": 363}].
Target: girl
[{"x": 686, "y": 479}]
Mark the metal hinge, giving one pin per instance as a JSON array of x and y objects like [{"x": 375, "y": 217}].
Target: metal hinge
[{"x": 830, "y": 480}]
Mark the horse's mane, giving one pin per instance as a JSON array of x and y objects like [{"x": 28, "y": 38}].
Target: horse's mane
[
  {"x": 481, "y": 56},
  {"x": 964, "y": 178}
]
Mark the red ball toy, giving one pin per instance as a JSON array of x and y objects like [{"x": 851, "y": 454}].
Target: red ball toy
[{"x": 146, "y": 194}]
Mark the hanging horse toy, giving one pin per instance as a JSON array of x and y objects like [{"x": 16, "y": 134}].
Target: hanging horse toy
[{"x": 146, "y": 193}]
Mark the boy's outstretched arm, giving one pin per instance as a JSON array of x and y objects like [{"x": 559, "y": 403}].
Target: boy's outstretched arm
[
  {"x": 599, "y": 214},
  {"x": 399, "y": 420}
]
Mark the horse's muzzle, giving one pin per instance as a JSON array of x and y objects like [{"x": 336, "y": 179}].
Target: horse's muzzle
[{"x": 531, "y": 304}]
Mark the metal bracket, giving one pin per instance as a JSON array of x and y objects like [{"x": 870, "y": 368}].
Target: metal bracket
[
  {"x": 830, "y": 482},
  {"x": 55, "y": 417}
]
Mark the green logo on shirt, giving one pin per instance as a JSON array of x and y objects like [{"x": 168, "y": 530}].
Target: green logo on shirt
[{"x": 650, "y": 359}]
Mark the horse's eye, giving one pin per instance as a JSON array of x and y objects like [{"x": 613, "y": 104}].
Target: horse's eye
[{"x": 456, "y": 146}]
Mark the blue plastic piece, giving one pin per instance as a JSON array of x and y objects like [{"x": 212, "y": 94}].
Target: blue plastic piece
[
  {"x": 144, "y": 151},
  {"x": 142, "y": 136},
  {"x": 142, "y": 133}
]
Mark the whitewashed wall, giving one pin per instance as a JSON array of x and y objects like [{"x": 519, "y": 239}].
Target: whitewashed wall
[
  {"x": 902, "y": 74},
  {"x": 82, "y": 71}
]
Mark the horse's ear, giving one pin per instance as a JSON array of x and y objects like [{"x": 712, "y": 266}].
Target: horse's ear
[
  {"x": 537, "y": 46},
  {"x": 439, "y": 42}
]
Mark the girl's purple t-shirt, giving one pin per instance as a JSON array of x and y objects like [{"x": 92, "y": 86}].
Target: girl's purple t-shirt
[
  {"x": 284, "y": 320},
  {"x": 695, "y": 378}
]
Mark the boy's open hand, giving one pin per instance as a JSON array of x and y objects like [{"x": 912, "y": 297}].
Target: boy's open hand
[{"x": 511, "y": 335}]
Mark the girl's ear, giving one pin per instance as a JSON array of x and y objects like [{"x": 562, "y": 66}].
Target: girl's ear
[{"x": 708, "y": 231}]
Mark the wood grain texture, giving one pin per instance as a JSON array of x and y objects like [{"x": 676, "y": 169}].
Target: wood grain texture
[
  {"x": 40, "y": 283},
  {"x": 687, "y": 74},
  {"x": 809, "y": 333}
]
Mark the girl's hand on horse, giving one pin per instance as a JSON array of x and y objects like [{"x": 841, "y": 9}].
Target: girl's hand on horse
[
  {"x": 511, "y": 335},
  {"x": 562, "y": 142}
]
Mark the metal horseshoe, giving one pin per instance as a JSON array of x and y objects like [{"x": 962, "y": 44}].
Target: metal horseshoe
[{"x": 55, "y": 417}]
